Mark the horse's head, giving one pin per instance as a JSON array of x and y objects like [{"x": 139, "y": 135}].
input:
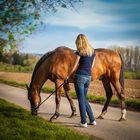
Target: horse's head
[{"x": 34, "y": 98}]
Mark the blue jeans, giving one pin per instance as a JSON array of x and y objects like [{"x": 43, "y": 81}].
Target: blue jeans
[{"x": 81, "y": 83}]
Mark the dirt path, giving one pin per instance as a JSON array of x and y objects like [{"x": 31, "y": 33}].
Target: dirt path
[
  {"x": 96, "y": 88},
  {"x": 109, "y": 128}
]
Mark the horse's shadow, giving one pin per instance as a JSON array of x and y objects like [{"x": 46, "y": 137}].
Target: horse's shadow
[
  {"x": 61, "y": 115},
  {"x": 64, "y": 123},
  {"x": 108, "y": 119},
  {"x": 71, "y": 124}
]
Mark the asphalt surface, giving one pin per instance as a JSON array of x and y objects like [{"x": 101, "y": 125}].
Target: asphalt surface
[{"x": 109, "y": 128}]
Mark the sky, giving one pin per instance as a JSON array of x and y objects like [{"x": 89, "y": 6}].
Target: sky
[{"x": 104, "y": 22}]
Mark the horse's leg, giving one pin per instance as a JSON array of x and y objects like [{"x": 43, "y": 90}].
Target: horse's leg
[
  {"x": 57, "y": 100},
  {"x": 109, "y": 93},
  {"x": 73, "y": 108},
  {"x": 121, "y": 96}
]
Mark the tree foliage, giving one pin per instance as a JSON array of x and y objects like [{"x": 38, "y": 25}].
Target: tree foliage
[{"x": 21, "y": 17}]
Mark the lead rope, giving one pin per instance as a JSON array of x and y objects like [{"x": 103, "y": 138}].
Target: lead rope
[{"x": 50, "y": 95}]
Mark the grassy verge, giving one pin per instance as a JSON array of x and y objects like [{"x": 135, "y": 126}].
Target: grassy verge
[
  {"x": 15, "y": 68},
  {"x": 132, "y": 75},
  {"x": 17, "y": 124},
  {"x": 131, "y": 104}
]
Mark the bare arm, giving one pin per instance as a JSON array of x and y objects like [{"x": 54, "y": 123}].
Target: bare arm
[
  {"x": 93, "y": 62},
  {"x": 75, "y": 65}
]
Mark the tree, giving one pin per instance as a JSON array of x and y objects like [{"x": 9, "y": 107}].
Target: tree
[
  {"x": 136, "y": 58},
  {"x": 21, "y": 17},
  {"x": 130, "y": 56},
  {"x": 2, "y": 45}
]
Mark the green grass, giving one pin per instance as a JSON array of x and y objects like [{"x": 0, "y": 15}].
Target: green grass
[
  {"x": 15, "y": 68},
  {"x": 132, "y": 75},
  {"x": 97, "y": 99},
  {"x": 13, "y": 83},
  {"x": 17, "y": 124},
  {"x": 131, "y": 104}
]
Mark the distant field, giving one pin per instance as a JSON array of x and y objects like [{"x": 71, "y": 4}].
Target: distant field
[{"x": 28, "y": 69}]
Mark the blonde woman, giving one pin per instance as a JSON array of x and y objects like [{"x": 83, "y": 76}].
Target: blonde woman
[{"x": 83, "y": 78}]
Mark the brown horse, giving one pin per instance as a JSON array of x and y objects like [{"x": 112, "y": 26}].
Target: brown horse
[{"x": 56, "y": 66}]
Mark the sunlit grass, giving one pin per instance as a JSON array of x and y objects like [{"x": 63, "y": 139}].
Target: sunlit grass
[
  {"x": 17, "y": 124},
  {"x": 15, "y": 68}
]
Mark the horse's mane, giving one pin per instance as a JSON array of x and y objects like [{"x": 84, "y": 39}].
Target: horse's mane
[{"x": 41, "y": 60}]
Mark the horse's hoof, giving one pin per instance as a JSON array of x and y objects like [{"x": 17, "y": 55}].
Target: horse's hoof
[
  {"x": 51, "y": 120},
  {"x": 100, "y": 117},
  {"x": 54, "y": 117},
  {"x": 73, "y": 115},
  {"x": 122, "y": 119}
]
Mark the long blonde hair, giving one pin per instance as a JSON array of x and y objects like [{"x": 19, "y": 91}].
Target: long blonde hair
[{"x": 83, "y": 46}]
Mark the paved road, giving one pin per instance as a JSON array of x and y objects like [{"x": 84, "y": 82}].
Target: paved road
[{"x": 109, "y": 128}]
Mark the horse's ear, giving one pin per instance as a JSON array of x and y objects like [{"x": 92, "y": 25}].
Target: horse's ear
[{"x": 27, "y": 87}]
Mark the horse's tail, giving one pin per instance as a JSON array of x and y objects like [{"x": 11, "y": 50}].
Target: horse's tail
[{"x": 121, "y": 79}]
